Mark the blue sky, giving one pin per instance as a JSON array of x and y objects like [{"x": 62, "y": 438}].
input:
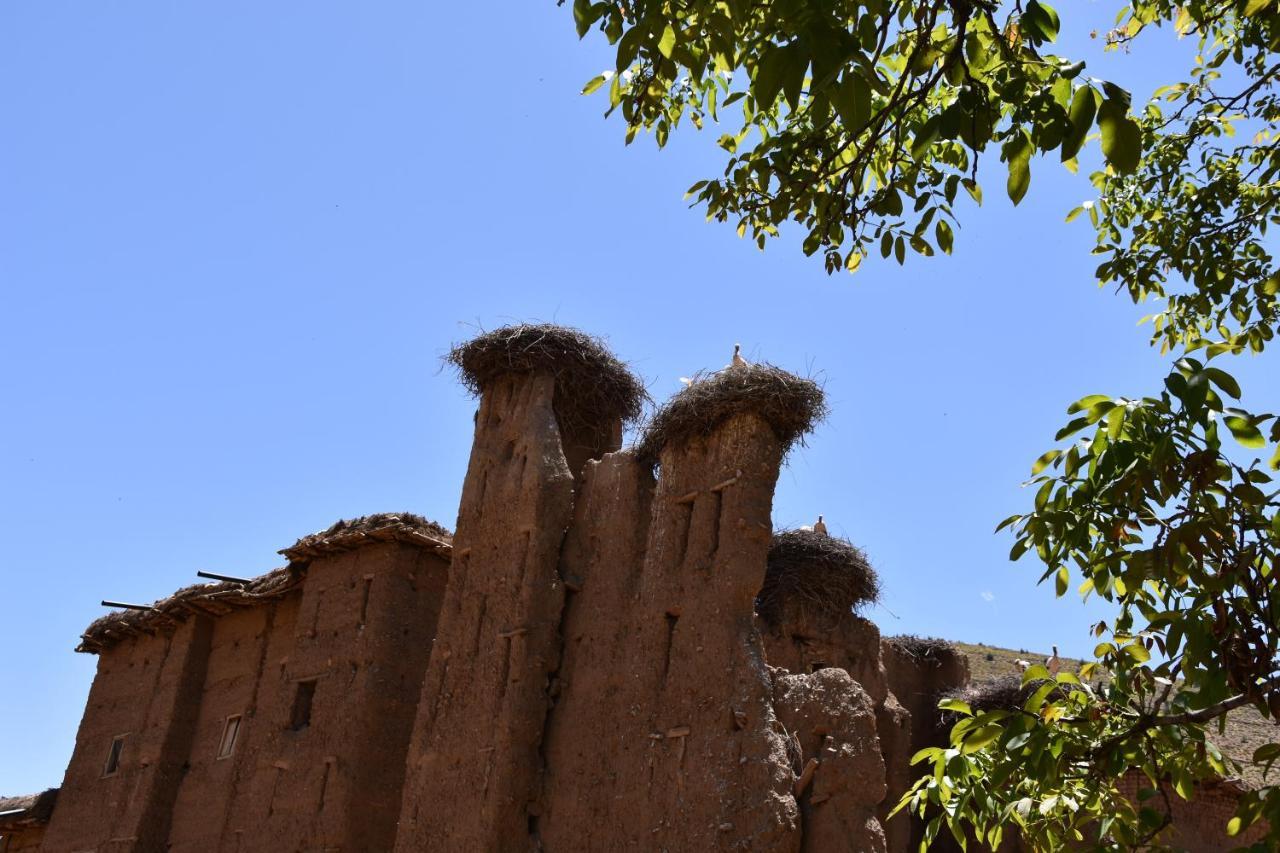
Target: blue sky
[{"x": 235, "y": 239}]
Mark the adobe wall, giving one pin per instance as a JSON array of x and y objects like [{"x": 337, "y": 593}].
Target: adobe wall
[
  {"x": 361, "y": 625},
  {"x": 918, "y": 682},
  {"x": 147, "y": 689},
  {"x": 27, "y": 840},
  {"x": 362, "y": 628},
  {"x": 664, "y": 699},
  {"x": 474, "y": 769},
  {"x": 1199, "y": 824},
  {"x": 803, "y": 642}
]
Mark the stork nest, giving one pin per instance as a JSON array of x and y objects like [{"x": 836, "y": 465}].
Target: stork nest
[
  {"x": 791, "y": 405},
  {"x": 1006, "y": 693},
  {"x": 815, "y": 575},
  {"x": 591, "y": 383},
  {"x": 926, "y": 649}
]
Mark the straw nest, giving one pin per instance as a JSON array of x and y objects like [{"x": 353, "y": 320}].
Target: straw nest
[
  {"x": 927, "y": 649},
  {"x": 791, "y": 405},
  {"x": 591, "y": 383},
  {"x": 367, "y": 529},
  {"x": 818, "y": 575}
]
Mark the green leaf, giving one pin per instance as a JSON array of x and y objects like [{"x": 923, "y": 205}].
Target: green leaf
[
  {"x": 1245, "y": 431},
  {"x": 957, "y": 706},
  {"x": 1253, "y": 7},
  {"x": 1044, "y": 460},
  {"x": 973, "y": 189},
  {"x": 1137, "y": 652},
  {"x": 1121, "y": 137},
  {"x": 852, "y": 99},
  {"x": 795, "y": 60},
  {"x": 1223, "y": 380},
  {"x": 583, "y": 16},
  {"x": 1017, "y": 152},
  {"x": 668, "y": 41},
  {"x": 1085, "y": 403},
  {"x": 942, "y": 231},
  {"x": 925, "y": 137},
  {"x": 1084, "y": 106},
  {"x": 593, "y": 84},
  {"x": 1071, "y": 428},
  {"x": 980, "y": 738},
  {"x": 1061, "y": 581}
]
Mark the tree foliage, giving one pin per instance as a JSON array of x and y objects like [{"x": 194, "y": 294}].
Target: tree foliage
[{"x": 860, "y": 122}]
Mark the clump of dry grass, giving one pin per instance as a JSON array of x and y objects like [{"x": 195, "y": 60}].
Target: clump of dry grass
[
  {"x": 930, "y": 649},
  {"x": 591, "y": 382},
  {"x": 817, "y": 575},
  {"x": 790, "y": 404}
]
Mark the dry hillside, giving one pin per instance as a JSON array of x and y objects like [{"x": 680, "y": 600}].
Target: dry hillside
[{"x": 1246, "y": 729}]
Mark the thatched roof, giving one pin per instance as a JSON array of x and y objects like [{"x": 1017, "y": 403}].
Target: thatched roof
[
  {"x": 211, "y": 599},
  {"x": 382, "y": 527},
  {"x": 791, "y": 405},
  {"x": 592, "y": 384},
  {"x": 817, "y": 574},
  {"x": 29, "y": 810},
  {"x": 923, "y": 649},
  {"x": 217, "y": 599}
]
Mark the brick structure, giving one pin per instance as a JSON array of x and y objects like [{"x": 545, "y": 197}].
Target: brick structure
[
  {"x": 580, "y": 668},
  {"x": 233, "y": 717}
]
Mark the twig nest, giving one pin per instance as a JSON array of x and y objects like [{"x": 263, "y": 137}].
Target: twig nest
[
  {"x": 591, "y": 383},
  {"x": 813, "y": 574},
  {"x": 1006, "y": 693},
  {"x": 924, "y": 649},
  {"x": 791, "y": 405}
]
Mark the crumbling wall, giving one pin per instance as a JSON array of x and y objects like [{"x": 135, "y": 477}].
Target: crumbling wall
[
  {"x": 474, "y": 769},
  {"x": 803, "y": 642},
  {"x": 840, "y": 774},
  {"x": 146, "y": 689},
  {"x": 664, "y": 734}
]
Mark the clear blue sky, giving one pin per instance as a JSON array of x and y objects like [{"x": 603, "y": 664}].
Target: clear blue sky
[{"x": 235, "y": 239}]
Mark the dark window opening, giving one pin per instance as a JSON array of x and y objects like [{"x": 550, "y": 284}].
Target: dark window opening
[
  {"x": 113, "y": 756},
  {"x": 230, "y": 731},
  {"x": 301, "y": 716},
  {"x": 817, "y": 665}
]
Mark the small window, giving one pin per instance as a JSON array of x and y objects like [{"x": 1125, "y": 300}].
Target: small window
[
  {"x": 113, "y": 756},
  {"x": 230, "y": 731},
  {"x": 301, "y": 716}
]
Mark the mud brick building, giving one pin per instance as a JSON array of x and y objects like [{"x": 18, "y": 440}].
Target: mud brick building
[{"x": 613, "y": 651}]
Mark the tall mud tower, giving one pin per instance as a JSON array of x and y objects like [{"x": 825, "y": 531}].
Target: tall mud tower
[{"x": 598, "y": 680}]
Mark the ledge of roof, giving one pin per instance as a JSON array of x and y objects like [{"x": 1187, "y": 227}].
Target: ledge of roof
[
  {"x": 217, "y": 599},
  {"x": 368, "y": 530},
  {"x": 29, "y": 810}
]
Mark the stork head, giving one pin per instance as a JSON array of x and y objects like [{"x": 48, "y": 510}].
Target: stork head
[
  {"x": 737, "y": 349},
  {"x": 819, "y": 517}
]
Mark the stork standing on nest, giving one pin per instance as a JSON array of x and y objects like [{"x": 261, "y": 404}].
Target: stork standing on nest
[
  {"x": 737, "y": 361},
  {"x": 820, "y": 526}
]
